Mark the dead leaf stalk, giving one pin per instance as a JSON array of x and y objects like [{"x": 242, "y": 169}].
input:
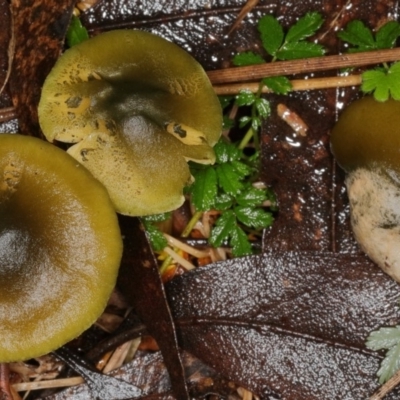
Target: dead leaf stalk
[
  {"x": 54, "y": 383},
  {"x": 5, "y": 392},
  {"x": 179, "y": 259},
  {"x": 250, "y": 4},
  {"x": 297, "y": 85},
  {"x": 7, "y": 114},
  {"x": 307, "y": 65},
  {"x": 387, "y": 387},
  {"x": 174, "y": 242}
]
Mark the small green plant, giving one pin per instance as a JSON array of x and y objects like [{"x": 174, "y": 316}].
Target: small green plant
[
  {"x": 388, "y": 339},
  {"x": 382, "y": 81},
  {"x": 227, "y": 187},
  {"x": 76, "y": 33},
  {"x": 155, "y": 236},
  {"x": 278, "y": 45}
]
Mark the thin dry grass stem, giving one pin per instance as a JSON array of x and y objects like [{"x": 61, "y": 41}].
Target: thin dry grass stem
[
  {"x": 85, "y": 5},
  {"x": 387, "y": 387},
  {"x": 256, "y": 72},
  {"x": 15, "y": 395},
  {"x": 174, "y": 242},
  {"x": 10, "y": 54},
  {"x": 133, "y": 348},
  {"x": 245, "y": 394},
  {"x": 250, "y": 4},
  {"x": 179, "y": 259},
  {"x": 5, "y": 392},
  {"x": 103, "y": 361},
  {"x": 207, "y": 220},
  {"x": 218, "y": 254},
  {"x": 232, "y": 115},
  {"x": 334, "y": 23},
  {"x": 118, "y": 357},
  {"x": 108, "y": 322},
  {"x": 53, "y": 383},
  {"x": 7, "y": 114},
  {"x": 297, "y": 85}
]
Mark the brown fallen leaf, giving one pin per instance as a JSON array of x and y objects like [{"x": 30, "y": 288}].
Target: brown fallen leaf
[
  {"x": 293, "y": 324},
  {"x": 148, "y": 372},
  {"x": 139, "y": 280},
  {"x": 39, "y": 31},
  {"x": 101, "y": 386}
]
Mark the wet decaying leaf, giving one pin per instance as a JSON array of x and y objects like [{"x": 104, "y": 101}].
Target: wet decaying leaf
[
  {"x": 141, "y": 284},
  {"x": 39, "y": 31},
  {"x": 101, "y": 386},
  {"x": 291, "y": 323},
  {"x": 148, "y": 372}
]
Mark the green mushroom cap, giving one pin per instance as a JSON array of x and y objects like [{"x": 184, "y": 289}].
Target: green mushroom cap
[
  {"x": 60, "y": 248},
  {"x": 367, "y": 135},
  {"x": 137, "y": 108}
]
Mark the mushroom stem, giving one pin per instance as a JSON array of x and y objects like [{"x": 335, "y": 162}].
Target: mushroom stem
[{"x": 375, "y": 217}]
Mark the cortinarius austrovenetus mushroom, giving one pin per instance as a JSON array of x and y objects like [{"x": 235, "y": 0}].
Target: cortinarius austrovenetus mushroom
[
  {"x": 137, "y": 108},
  {"x": 60, "y": 247}
]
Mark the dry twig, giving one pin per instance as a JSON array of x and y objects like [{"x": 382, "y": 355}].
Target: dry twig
[
  {"x": 387, "y": 387},
  {"x": 180, "y": 260},
  {"x": 5, "y": 392},
  {"x": 174, "y": 242},
  {"x": 250, "y": 4},
  {"x": 7, "y": 114},
  {"x": 54, "y": 383},
  {"x": 10, "y": 54},
  {"x": 297, "y": 84},
  {"x": 256, "y": 72}
]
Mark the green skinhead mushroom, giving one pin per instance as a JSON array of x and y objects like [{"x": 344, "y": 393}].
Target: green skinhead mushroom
[
  {"x": 366, "y": 144},
  {"x": 136, "y": 108},
  {"x": 60, "y": 248}
]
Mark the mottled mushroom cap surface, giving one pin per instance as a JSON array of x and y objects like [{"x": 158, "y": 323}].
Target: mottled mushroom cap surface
[
  {"x": 137, "y": 108},
  {"x": 60, "y": 248}
]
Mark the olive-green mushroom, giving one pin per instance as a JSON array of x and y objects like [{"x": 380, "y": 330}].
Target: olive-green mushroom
[
  {"x": 366, "y": 144},
  {"x": 60, "y": 247},
  {"x": 137, "y": 108}
]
